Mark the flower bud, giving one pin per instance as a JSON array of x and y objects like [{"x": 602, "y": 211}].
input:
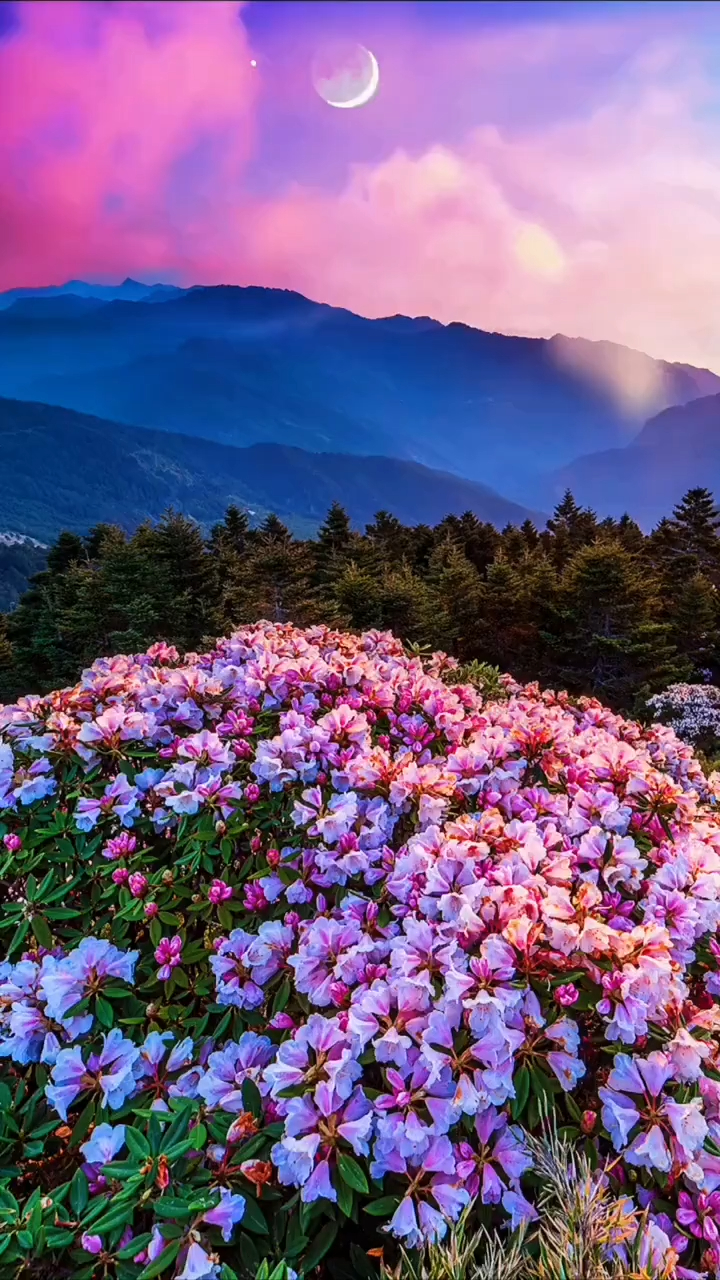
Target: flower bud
[{"x": 588, "y": 1121}]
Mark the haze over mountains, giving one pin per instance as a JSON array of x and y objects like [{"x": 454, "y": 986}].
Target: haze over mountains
[
  {"x": 204, "y": 396},
  {"x": 244, "y": 366}
]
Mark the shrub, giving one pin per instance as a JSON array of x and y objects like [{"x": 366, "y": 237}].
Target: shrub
[{"x": 302, "y": 942}]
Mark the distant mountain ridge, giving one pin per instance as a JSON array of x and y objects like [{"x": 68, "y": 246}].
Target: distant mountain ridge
[
  {"x": 65, "y": 470},
  {"x": 250, "y": 366},
  {"x": 676, "y": 450}
]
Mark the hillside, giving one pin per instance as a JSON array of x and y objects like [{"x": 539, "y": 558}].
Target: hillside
[
  {"x": 66, "y": 470},
  {"x": 245, "y": 366},
  {"x": 675, "y": 450}
]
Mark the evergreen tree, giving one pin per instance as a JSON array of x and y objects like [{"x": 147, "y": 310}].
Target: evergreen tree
[
  {"x": 607, "y": 634},
  {"x": 450, "y": 612},
  {"x": 569, "y": 528}
]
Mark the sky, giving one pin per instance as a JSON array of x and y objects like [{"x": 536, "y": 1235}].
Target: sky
[{"x": 529, "y": 167}]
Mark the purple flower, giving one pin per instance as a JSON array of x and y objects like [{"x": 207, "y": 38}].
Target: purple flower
[
  {"x": 226, "y": 1213},
  {"x": 168, "y": 954},
  {"x": 118, "y": 798},
  {"x": 663, "y": 1120},
  {"x": 700, "y": 1216},
  {"x": 104, "y": 1144},
  {"x": 501, "y": 1147},
  {"x": 91, "y": 1244},
  {"x": 219, "y": 892},
  {"x": 231, "y": 965},
  {"x": 319, "y": 1054},
  {"x": 158, "y": 1067},
  {"x": 228, "y": 1069},
  {"x": 82, "y": 972},
  {"x": 122, "y": 846},
  {"x": 198, "y": 1265},
  {"x": 110, "y": 1072}
]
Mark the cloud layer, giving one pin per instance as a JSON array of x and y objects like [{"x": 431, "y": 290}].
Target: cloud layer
[{"x": 130, "y": 131}]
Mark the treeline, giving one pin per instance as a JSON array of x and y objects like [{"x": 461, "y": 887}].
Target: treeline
[{"x": 593, "y": 606}]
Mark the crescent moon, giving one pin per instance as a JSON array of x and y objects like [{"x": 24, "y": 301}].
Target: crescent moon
[{"x": 368, "y": 92}]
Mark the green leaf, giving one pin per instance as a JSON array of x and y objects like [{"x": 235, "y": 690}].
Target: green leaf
[
  {"x": 136, "y": 1142},
  {"x": 137, "y": 1244},
  {"x": 41, "y": 929},
  {"x": 254, "y": 1218},
  {"x": 82, "y": 1124},
  {"x": 351, "y": 1173},
  {"x": 362, "y": 1264},
  {"x": 522, "y": 1092},
  {"x": 383, "y": 1207},
  {"x": 19, "y": 936},
  {"x": 59, "y": 1239},
  {"x": 79, "y": 1193},
  {"x": 345, "y": 1198},
  {"x": 156, "y": 1268},
  {"x": 319, "y": 1247},
  {"x": 248, "y": 1253},
  {"x": 172, "y": 1207},
  {"x": 104, "y": 1012},
  {"x": 25, "y": 1240},
  {"x": 116, "y": 1216},
  {"x": 252, "y": 1099}
]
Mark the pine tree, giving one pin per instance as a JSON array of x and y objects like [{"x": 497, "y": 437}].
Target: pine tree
[
  {"x": 453, "y": 603},
  {"x": 569, "y": 528},
  {"x": 607, "y": 634},
  {"x": 333, "y": 549},
  {"x": 694, "y": 625}
]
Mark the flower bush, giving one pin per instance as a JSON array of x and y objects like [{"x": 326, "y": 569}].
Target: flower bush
[
  {"x": 692, "y": 710},
  {"x": 302, "y": 942}
]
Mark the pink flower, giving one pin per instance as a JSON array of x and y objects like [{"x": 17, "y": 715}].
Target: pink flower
[
  {"x": 281, "y": 1022},
  {"x": 567, "y": 995},
  {"x": 138, "y": 884},
  {"x": 254, "y": 897},
  {"x": 273, "y": 857},
  {"x": 219, "y": 892},
  {"x": 168, "y": 954},
  {"x": 12, "y": 843},
  {"x": 121, "y": 875},
  {"x": 151, "y": 910},
  {"x": 121, "y": 846},
  {"x": 252, "y": 793}
]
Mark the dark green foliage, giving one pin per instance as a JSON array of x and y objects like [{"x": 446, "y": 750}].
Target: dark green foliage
[{"x": 594, "y": 607}]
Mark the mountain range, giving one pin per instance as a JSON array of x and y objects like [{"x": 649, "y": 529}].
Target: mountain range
[
  {"x": 244, "y": 366},
  {"x": 117, "y": 401},
  {"x": 68, "y": 470}
]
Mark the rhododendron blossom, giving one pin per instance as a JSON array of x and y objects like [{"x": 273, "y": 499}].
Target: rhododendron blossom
[{"x": 359, "y": 933}]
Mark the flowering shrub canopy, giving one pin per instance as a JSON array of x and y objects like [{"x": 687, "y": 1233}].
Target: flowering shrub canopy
[
  {"x": 692, "y": 710},
  {"x": 301, "y": 940}
]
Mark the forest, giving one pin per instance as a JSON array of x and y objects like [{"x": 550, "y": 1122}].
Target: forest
[{"x": 593, "y": 606}]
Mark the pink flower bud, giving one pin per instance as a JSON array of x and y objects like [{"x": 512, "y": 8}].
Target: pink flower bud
[
  {"x": 121, "y": 846},
  {"x": 137, "y": 884},
  {"x": 219, "y": 892},
  {"x": 281, "y": 1022},
  {"x": 151, "y": 910},
  {"x": 168, "y": 954},
  {"x": 567, "y": 995},
  {"x": 339, "y": 994},
  {"x": 273, "y": 857},
  {"x": 12, "y": 843},
  {"x": 291, "y": 919},
  {"x": 121, "y": 875},
  {"x": 588, "y": 1121},
  {"x": 256, "y": 844},
  {"x": 252, "y": 793},
  {"x": 254, "y": 897}
]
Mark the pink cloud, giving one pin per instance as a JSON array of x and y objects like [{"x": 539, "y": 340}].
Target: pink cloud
[{"x": 604, "y": 224}]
